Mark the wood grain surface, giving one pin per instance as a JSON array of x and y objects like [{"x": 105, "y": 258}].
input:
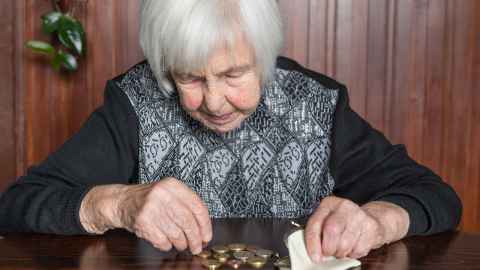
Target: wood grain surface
[{"x": 121, "y": 250}]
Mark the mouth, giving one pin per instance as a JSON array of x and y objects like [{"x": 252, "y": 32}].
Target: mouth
[{"x": 220, "y": 119}]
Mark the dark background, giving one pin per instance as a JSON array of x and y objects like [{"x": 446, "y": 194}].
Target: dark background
[{"x": 412, "y": 67}]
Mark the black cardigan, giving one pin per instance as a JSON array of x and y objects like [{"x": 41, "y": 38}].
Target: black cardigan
[{"x": 365, "y": 166}]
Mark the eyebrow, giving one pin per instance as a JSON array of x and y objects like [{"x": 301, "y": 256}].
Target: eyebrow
[{"x": 239, "y": 68}]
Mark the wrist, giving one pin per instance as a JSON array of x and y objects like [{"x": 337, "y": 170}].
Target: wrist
[
  {"x": 393, "y": 219},
  {"x": 98, "y": 211}
]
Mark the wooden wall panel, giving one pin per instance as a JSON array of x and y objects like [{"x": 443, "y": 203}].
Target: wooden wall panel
[
  {"x": 411, "y": 66},
  {"x": 58, "y": 104},
  {"x": 7, "y": 93}
]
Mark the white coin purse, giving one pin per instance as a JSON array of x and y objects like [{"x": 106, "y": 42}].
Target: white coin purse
[{"x": 300, "y": 260}]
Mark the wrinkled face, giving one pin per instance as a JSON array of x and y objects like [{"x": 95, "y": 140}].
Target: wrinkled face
[{"x": 225, "y": 92}]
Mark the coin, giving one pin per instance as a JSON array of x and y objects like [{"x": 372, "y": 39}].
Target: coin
[
  {"x": 222, "y": 257},
  {"x": 211, "y": 264},
  {"x": 220, "y": 249},
  {"x": 282, "y": 262},
  {"x": 243, "y": 255},
  {"x": 204, "y": 254},
  {"x": 237, "y": 247},
  {"x": 257, "y": 262},
  {"x": 264, "y": 253},
  {"x": 235, "y": 264},
  {"x": 252, "y": 248}
]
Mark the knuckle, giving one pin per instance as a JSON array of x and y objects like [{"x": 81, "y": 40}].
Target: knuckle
[
  {"x": 332, "y": 228},
  {"x": 175, "y": 235},
  {"x": 310, "y": 233},
  {"x": 158, "y": 190},
  {"x": 348, "y": 205},
  {"x": 370, "y": 224},
  {"x": 141, "y": 221},
  {"x": 314, "y": 224},
  {"x": 200, "y": 210}
]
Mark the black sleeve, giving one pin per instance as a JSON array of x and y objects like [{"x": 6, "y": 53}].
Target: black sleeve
[
  {"x": 47, "y": 199},
  {"x": 367, "y": 167}
]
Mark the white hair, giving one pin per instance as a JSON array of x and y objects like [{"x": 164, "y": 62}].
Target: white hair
[{"x": 181, "y": 35}]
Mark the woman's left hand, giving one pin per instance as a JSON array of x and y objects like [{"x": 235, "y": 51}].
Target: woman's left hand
[{"x": 341, "y": 228}]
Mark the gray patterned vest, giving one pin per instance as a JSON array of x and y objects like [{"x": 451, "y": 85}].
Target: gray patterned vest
[{"x": 274, "y": 165}]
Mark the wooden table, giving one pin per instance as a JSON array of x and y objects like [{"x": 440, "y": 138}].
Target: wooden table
[{"x": 122, "y": 250}]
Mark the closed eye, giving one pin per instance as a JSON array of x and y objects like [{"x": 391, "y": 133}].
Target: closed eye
[
  {"x": 187, "y": 78},
  {"x": 234, "y": 75}
]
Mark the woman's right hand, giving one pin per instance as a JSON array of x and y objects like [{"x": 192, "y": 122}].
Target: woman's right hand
[{"x": 166, "y": 213}]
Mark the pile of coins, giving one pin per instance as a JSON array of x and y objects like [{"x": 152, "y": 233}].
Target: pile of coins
[{"x": 236, "y": 255}]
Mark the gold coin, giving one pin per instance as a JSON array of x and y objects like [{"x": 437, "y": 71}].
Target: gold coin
[
  {"x": 264, "y": 253},
  {"x": 257, "y": 262},
  {"x": 204, "y": 254},
  {"x": 237, "y": 247},
  {"x": 235, "y": 264},
  {"x": 220, "y": 249},
  {"x": 222, "y": 257},
  {"x": 243, "y": 255},
  {"x": 211, "y": 264},
  {"x": 282, "y": 262}
]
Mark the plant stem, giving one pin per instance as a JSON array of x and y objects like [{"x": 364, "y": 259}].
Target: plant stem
[
  {"x": 73, "y": 9},
  {"x": 56, "y": 6}
]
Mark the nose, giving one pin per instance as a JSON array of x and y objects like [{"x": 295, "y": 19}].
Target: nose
[{"x": 214, "y": 98}]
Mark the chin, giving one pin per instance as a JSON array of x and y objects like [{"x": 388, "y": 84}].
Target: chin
[
  {"x": 221, "y": 129},
  {"x": 225, "y": 128}
]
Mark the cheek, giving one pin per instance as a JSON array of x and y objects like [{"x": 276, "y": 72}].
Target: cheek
[
  {"x": 245, "y": 99},
  {"x": 190, "y": 100},
  {"x": 246, "y": 96}
]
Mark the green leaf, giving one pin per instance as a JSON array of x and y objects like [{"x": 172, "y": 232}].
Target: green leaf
[
  {"x": 65, "y": 60},
  {"x": 71, "y": 34},
  {"x": 51, "y": 21},
  {"x": 40, "y": 47}
]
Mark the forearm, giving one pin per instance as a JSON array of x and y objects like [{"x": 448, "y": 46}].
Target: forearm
[
  {"x": 394, "y": 220},
  {"x": 30, "y": 206}
]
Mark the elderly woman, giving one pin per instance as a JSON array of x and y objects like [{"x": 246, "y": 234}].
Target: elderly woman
[{"x": 215, "y": 124}]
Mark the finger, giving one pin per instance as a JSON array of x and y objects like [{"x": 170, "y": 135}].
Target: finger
[
  {"x": 333, "y": 228},
  {"x": 361, "y": 248},
  {"x": 160, "y": 241},
  {"x": 365, "y": 241},
  {"x": 152, "y": 232},
  {"x": 185, "y": 220},
  {"x": 351, "y": 234},
  {"x": 174, "y": 234},
  {"x": 353, "y": 253},
  {"x": 348, "y": 240},
  {"x": 313, "y": 236},
  {"x": 199, "y": 210}
]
